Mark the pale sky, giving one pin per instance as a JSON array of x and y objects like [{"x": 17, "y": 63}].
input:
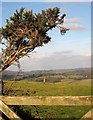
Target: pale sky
[{"x": 73, "y": 50}]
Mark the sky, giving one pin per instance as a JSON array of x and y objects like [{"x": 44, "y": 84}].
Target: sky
[
  {"x": 72, "y": 50},
  {"x": 46, "y": 0}
]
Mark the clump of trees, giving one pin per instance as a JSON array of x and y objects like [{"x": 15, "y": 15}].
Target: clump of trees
[{"x": 24, "y": 31}]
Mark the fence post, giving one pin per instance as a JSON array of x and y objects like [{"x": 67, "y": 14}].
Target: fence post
[
  {"x": 1, "y": 83},
  {"x": 88, "y": 115},
  {"x": 1, "y": 87},
  {"x": 8, "y": 112}
]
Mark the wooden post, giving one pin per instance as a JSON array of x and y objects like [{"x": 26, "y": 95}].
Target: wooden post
[
  {"x": 1, "y": 82},
  {"x": 88, "y": 115},
  {"x": 44, "y": 79},
  {"x": 43, "y": 100},
  {"x": 1, "y": 118},
  {"x": 8, "y": 112},
  {"x": 1, "y": 86},
  {"x": 48, "y": 100}
]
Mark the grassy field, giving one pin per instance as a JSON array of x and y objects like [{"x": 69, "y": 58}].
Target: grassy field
[{"x": 67, "y": 87}]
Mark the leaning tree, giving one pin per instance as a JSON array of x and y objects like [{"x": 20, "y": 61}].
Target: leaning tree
[{"x": 24, "y": 31}]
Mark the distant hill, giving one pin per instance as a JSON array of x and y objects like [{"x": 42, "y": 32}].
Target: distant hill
[{"x": 10, "y": 75}]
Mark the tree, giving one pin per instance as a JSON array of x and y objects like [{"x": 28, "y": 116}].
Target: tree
[{"x": 24, "y": 31}]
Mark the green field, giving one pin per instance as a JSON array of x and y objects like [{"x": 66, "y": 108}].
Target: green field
[{"x": 65, "y": 88}]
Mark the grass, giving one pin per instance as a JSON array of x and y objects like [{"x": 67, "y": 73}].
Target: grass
[
  {"x": 67, "y": 87},
  {"x": 52, "y": 112}
]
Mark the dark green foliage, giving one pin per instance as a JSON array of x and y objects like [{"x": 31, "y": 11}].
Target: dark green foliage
[
  {"x": 51, "y": 112},
  {"x": 24, "y": 31}
]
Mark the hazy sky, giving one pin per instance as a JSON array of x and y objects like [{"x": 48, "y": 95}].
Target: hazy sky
[{"x": 73, "y": 50}]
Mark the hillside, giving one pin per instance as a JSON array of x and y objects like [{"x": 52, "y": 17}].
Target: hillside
[{"x": 79, "y": 73}]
